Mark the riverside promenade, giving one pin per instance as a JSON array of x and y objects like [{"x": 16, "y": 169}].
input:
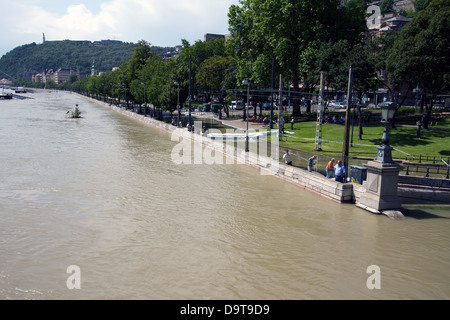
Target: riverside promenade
[
  {"x": 235, "y": 153},
  {"x": 312, "y": 181}
]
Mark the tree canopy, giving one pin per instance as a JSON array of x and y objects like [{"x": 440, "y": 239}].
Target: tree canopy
[
  {"x": 421, "y": 54},
  {"x": 283, "y": 31},
  {"x": 296, "y": 38}
]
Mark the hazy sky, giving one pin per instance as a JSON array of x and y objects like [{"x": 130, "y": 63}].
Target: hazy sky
[{"x": 159, "y": 22}]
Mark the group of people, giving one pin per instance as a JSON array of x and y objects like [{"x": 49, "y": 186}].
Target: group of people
[
  {"x": 338, "y": 169},
  {"x": 329, "y": 119},
  {"x": 257, "y": 118}
]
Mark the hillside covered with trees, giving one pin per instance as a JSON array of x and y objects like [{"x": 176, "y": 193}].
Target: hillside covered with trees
[{"x": 24, "y": 61}]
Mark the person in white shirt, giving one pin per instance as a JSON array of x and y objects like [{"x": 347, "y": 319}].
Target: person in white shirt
[{"x": 287, "y": 157}]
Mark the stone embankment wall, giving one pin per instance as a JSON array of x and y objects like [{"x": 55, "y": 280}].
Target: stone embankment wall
[
  {"x": 430, "y": 189},
  {"x": 422, "y": 188},
  {"x": 312, "y": 181}
]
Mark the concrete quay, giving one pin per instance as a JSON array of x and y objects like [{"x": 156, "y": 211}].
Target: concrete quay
[{"x": 235, "y": 153}]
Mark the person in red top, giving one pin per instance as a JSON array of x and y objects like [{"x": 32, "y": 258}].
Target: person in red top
[{"x": 330, "y": 168}]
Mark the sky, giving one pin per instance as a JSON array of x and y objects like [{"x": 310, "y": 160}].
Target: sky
[{"x": 162, "y": 23}]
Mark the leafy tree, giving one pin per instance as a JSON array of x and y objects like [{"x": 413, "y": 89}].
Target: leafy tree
[
  {"x": 140, "y": 55},
  {"x": 154, "y": 76},
  {"x": 379, "y": 50},
  {"x": 168, "y": 92},
  {"x": 387, "y": 6},
  {"x": 263, "y": 30},
  {"x": 420, "y": 56},
  {"x": 335, "y": 59},
  {"x": 420, "y": 5},
  {"x": 199, "y": 52},
  {"x": 211, "y": 73},
  {"x": 50, "y": 84}
]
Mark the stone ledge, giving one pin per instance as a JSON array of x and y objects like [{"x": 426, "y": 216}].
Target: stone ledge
[{"x": 312, "y": 181}]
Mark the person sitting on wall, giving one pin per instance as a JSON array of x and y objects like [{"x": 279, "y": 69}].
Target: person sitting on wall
[{"x": 287, "y": 158}]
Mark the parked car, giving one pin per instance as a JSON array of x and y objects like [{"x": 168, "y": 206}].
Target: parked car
[
  {"x": 237, "y": 105},
  {"x": 343, "y": 104},
  {"x": 333, "y": 103},
  {"x": 338, "y": 104}
]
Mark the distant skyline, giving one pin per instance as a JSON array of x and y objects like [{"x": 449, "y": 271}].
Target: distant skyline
[{"x": 161, "y": 23}]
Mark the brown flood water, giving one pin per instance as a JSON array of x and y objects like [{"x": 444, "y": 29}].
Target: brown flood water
[{"x": 102, "y": 194}]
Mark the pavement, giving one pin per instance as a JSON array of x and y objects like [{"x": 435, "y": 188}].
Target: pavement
[{"x": 234, "y": 123}]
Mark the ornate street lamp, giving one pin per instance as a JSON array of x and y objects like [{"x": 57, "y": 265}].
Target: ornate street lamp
[
  {"x": 381, "y": 194},
  {"x": 384, "y": 154}
]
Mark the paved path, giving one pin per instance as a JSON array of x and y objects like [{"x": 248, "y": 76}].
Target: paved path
[{"x": 234, "y": 123}]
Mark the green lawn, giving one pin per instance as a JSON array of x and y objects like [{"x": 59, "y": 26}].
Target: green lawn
[{"x": 403, "y": 140}]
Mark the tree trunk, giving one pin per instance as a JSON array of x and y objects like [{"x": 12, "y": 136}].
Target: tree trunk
[
  {"x": 296, "y": 111},
  {"x": 360, "y": 125},
  {"x": 308, "y": 106},
  {"x": 227, "y": 111},
  {"x": 429, "y": 108}
]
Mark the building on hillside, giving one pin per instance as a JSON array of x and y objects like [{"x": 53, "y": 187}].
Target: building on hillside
[
  {"x": 209, "y": 37},
  {"x": 62, "y": 75},
  {"x": 59, "y": 76},
  {"x": 47, "y": 76},
  {"x": 5, "y": 82},
  {"x": 388, "y": 23},
  {"x": 395, "y": 24},
  {"x": 93, "y": 71},
  {"x": 37, "y": 78},
  {"x": 43, "y": 77},
  {"x": 173, "y": 53}
]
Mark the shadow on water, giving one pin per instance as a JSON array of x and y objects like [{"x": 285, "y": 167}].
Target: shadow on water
[{"x": 427, "y": 213}]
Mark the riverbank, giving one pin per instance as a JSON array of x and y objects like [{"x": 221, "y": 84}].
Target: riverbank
[
  {"x": 235, "y": 152},
  {"x": 411, "y": 189},
  {"x": 312, "y": 181}
]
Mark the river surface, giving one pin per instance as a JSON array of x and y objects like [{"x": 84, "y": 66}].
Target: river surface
[{"x": 94, "y": 208}]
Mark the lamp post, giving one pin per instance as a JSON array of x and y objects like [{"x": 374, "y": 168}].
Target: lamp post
[
  {"x": 145, "y": 102},
  {"x": 382, "y": 173},
  {"x": 178, "y": 101},
  {"x": 190, "y": 91},
  {"x": 124, "y": 95},
  {"x": 384, "y": 154},
  {"x": 246, "y": 113}
]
